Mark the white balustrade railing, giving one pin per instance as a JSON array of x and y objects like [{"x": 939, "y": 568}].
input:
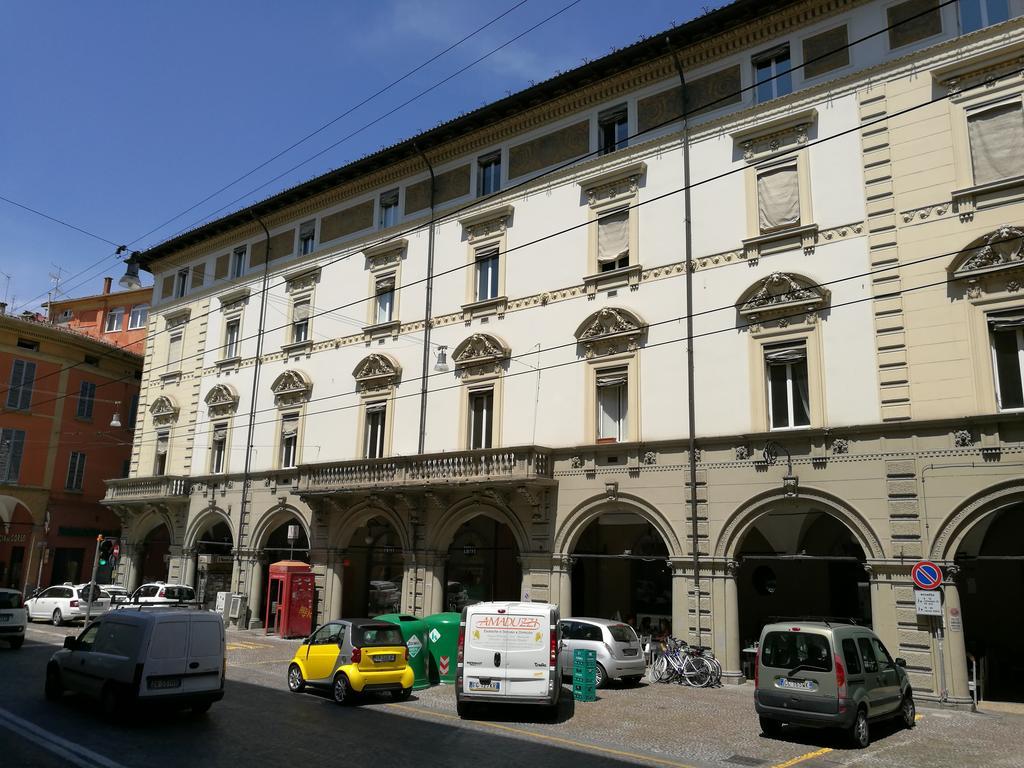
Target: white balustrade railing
[{"x": 130, "y": 489}]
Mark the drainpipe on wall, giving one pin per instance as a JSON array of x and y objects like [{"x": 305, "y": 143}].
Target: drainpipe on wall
[
  {"x": 691, "y": 418},
  {"x": 428, "y": 309},
  {"x": 246, "y": 501}
]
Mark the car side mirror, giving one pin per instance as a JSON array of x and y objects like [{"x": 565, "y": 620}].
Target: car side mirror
[
  {"x": 70, "y": 643},
  {"x": 900, "y": 661}
]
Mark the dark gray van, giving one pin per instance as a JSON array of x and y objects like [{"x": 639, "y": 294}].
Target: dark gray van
[{"x": 828, "y": 674}]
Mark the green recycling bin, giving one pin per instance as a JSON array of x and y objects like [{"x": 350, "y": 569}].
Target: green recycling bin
[
  {"x": 414, "y": 632},
  {"x": 443, "y": 641}
]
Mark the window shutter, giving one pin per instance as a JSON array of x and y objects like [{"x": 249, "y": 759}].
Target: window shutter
[
  {"x": 23, "y": 375},
  {"x": 375, "y": 408},
  {"x": 307, "y": 229},
  {"x": 782, "y": 355},
  {"x": 220, "y": 266},
  {"x": 612, "y": 237},
  {"x": 162, "y": 441},
  {"x": 167, "y": 289},
  {"x": 289, "y": 427},
  {"x": 174, "y": 350},
  {"x": 301, "y": 311},
  {"x": 386, "y": 284},
  {"x": 198, "y": 275},
  {"x": 611, "y": 377},
  {"x": 997, "y": 136},
  {"x": 12, "y": 444},
  {"x": 220, "y": 433},
  {"x": 1006, "y": 321},
  {"x": 778, "y": 198}
]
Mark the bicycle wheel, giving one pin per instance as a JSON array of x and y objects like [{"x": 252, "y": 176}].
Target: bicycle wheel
[
  {"x": 698, "y": 671},
  {"x": 659, "y": 669}
]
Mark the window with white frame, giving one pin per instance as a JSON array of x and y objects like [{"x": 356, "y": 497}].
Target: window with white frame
[
  {"x": 86, "y": 399},
  {"x": 115, "y": 320},
  {"x": 613, "y": 241},
  {"x": 789, "y": 404},
  {"x": 388, "y": 209},
  {"x": 218, "y": 447},
  {"x": 307, "y": 237},
  {"x": 373, "y": 437},
  {"x": 487, "y": 263},
  {"x": 175, "y": 343},
  {"x": 612, "y": 129},
  {"x": 163, "y": 444},
  {"x": 23, "y": 378},
  {"x": 1007, "y": 334},
  {"x": 302, "y": 309},
  {"x": 139, "y": 317},
  {"x": 996, "y": 135},
  {"x": 384, "y": 296},
  {"x": 12, "y": 448},
  {"x": 181, "y": 283},
  {"x": 977, "y": 14},
  {"x": 238, "y": 262},
  {"x": 231, "y": 332},
  {"x": 488, "y": 170},
  {"x": 778, "y": 197},
  {"x": 772, "y": 77},
  {"x": 289, "y": 440},
  {"x": 76, "y": 471},
  {"x": 481, "y": 417},
  {"x": 612, "y": 404}
]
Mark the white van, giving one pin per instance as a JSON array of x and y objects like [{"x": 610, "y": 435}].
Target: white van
[
  {"x": 508, "y": 654},
  {"x": 168, "y": 656}
]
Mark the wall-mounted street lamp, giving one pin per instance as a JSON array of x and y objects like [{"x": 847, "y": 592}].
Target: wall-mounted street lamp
[
  {"x": 442, "y": 359},
  {"x": 115, "y": 420},
  {"x": 130, "y": 279},
  {"x": 790, "y": 483}
]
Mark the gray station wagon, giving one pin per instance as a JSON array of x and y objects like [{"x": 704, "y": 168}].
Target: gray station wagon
[{"x": 828, "y": 674}]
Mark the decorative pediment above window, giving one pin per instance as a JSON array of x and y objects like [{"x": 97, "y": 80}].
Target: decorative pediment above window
[
  {"x": 377, "y": 372},
  {"x": 220, "y": 401},
  {"x": 487, "y": 223},
  {"x": 781, "y": 294},
  {"x": 163, "y": 411},
  {"x": 620, "y": 183},
  {"x": 234, "y": 301},
  {"x": 985, "y": 262},
  {"x": 770, "y": 137},
  {"x": 302, "y": 280},
  {"x": 480, "y": 355},
  {"x": 177, "y": 318},
  {"x": 976, "y": 68},
  {"x": 609, "y": 331},
  {"x": 291, "y": 388},
  {"x": 386, "y": 254}
]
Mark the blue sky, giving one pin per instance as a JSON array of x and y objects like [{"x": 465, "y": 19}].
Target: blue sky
[{"x": 120, "y": 115}]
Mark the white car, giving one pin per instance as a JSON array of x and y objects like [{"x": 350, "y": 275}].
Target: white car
[
  {"x": 118, "y": 594},
  {"x": 67, "y": 602},
  {"x": 159, "y": 592},
  {"x": 12, "y": 618}
]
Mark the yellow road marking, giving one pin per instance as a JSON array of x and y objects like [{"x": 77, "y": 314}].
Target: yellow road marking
[
  {"x": 246, "y": 646},
  {"x": 801, "y": 758},
  {"x": 544, "y": 737},
  {"x": 918, "y": 717}
]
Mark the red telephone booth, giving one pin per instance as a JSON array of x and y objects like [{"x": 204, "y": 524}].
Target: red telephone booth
[{"x": 290, "y": 599}]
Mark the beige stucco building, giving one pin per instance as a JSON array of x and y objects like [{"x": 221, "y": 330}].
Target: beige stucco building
[{"x": 459, "y": 365}]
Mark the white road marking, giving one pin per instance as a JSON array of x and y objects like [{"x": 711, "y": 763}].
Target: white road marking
[{"x": 73, "y": 753}]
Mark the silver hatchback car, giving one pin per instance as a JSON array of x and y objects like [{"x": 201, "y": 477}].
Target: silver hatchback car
[{"x": 619, "y": 656}]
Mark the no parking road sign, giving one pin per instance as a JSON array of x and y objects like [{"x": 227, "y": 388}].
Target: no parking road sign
[{"x": 926, "y": 575}]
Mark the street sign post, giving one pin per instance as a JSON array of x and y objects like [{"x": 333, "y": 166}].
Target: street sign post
[
  {"x": 926, "y": 575},
  {"x": 928, "y": 603}
]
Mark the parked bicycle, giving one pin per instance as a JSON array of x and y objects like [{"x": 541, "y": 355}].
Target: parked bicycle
[{"x": 686, "y": 664}]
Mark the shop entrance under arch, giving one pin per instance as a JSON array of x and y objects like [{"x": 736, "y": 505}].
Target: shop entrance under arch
[
  {"x": 374, "y": 565},
  {"x": 795, "y": 561},
  {"x": 155, "y": 555},
  {"x": 621, "y": 571},
  {"x": 482, "y": 564},
  {"x": 991, "y": 587},
  {"x": 214, "y": 562},
  {"x": 287, "y": 541}
]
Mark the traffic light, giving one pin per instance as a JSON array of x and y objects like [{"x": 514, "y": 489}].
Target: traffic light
[{"x": 106, "y": 549}]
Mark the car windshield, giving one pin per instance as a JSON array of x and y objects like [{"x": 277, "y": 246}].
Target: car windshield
[
  {"x": 622, "y": 633},
  {"x": 380, "y": 635},
  {"x": 179, "y": 593},
  {"x": 789, "y": 650},
  {"x": 10, "y": 600}
]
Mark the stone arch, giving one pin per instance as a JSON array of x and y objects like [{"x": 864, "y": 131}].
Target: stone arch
[
  {"x": 463, "y": 511},
  {"x": 221, "y": 400},
  {"x": 164, "y": 411},
  {"x": 149, "y": 521},
  {"x": 291, "y": 387},
  {"x": 740, "y": 522},
  {"x": 274, "y": 517},
  {"x": 360, "y": 514},
  {"x": 611, "y": 330},
  {"x": 377, "y": 372},
  {"x": 781, "y": 292},
  {"x": 588, "y": 511},
  {"x": 976, "y": 508},
  {"x": 205, "y": 519}
]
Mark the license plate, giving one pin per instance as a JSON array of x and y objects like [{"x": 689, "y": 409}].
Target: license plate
[
  {"x": 171, "y": 682},
  {"x": 799, "y": 685},
  {"x": 629, "y": 651},
  {"x": 380, "y": 658},
  {"x": 476, "y": 685}
]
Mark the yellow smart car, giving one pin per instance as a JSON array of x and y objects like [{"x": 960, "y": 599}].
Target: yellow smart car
[{"x": 351, "y": 657}]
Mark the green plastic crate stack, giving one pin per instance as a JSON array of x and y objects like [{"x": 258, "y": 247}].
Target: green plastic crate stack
[{"x": 584, "y": 671}]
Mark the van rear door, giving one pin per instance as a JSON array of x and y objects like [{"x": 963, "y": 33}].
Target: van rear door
[
  {"x": 167, "y": 659},
  {"x": 797, "y": 671},
  {"x": 484, "y": 652},
  {"x": 205, "y": 653},
  {"x": 528, "y": 651}
]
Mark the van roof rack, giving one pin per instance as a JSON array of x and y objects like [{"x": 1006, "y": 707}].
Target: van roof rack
[{"x": 828, "y": 621}]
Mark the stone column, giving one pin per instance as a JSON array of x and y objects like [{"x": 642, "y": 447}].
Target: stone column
[
  {"x": 732, "y": 671},
  {"x": 336, "y": 584},
  {"x": 189, "y": 557},
  {"x": 563, "y": 571},
  {"x": 883, "y": 606},
  {"x": 256, "y": 580},
  {"x": 433, "y": 577},
  {"x": 680, "y": 589},
  {"x": 133, "y": 560},
  {"x": 956, "y": 651}
]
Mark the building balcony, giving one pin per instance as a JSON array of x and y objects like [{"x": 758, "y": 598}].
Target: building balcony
[
  {"x": 131, "y": 490},
  {"x": 481, "y": 467}
]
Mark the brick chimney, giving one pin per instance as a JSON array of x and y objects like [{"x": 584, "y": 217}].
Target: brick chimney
[{"x": 106, "y": 285}]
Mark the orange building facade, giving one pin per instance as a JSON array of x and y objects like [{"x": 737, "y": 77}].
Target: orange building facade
[
  {"x": 119, "y": 319},
  {"x": 59, "y": 391}
]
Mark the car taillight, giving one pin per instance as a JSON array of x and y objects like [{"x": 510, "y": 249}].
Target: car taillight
[
  {"x": 553, "y": 660},
  {"x": 74, "y": 603},
  {"x": 462, "y": 641},
  {"x": 757, "y": 668},
  {"x": 161, "y": 593},
  {"x": 840, "y": 677},
  {"x": 357, "y": 655},
  {"x": 405, "y": 652}
]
